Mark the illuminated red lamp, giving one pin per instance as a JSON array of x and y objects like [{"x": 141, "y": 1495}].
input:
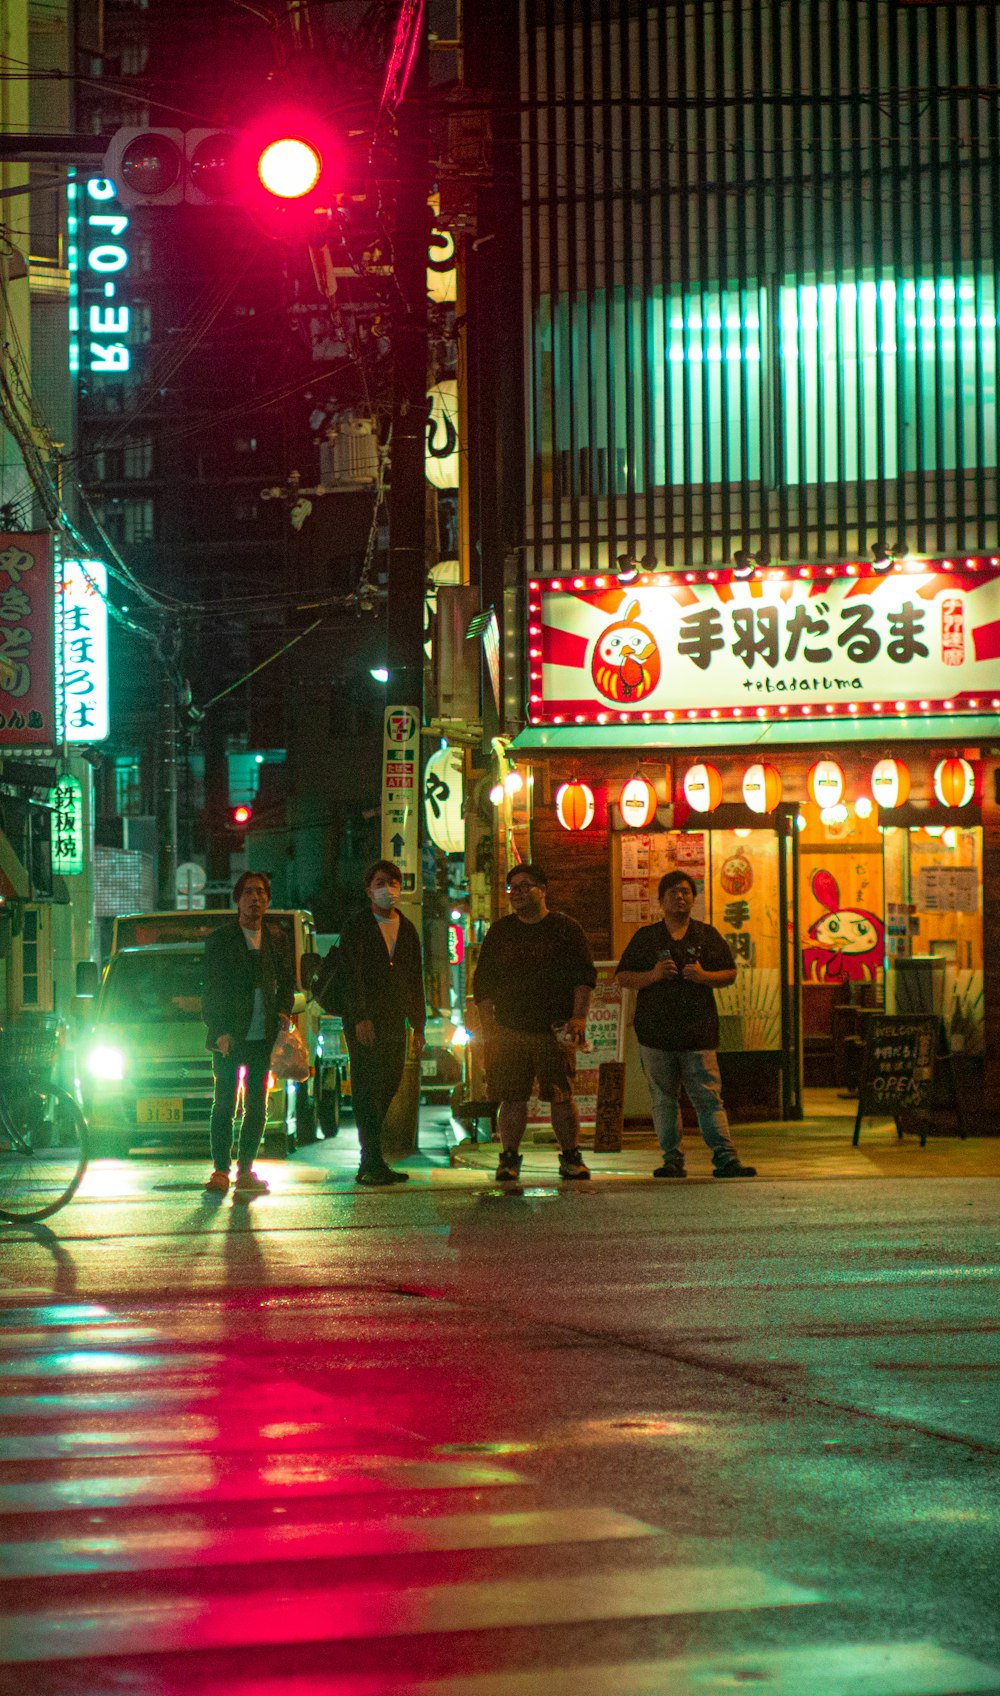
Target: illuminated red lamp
[
  {"x": 575, "y": 805},
  {"x": 954, "y": 782},
  {"x": 825, "y": 783},
  {"x": 890, "y": 783},
  {"x": 241, "y": 815},
  {"x": 762, "y": 788},
  {"x": 703, "y": 788},
  {"x": 637, "y": 803}
]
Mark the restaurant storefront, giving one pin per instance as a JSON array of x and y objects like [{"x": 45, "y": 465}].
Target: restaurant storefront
[{"x": 819, "y": 747}]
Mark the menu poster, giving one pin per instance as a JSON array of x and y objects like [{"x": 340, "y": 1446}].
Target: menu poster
[{"x": 948, "y": 889}]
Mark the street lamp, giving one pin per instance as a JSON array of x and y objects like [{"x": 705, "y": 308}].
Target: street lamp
[{"x": 379, "y": 672}]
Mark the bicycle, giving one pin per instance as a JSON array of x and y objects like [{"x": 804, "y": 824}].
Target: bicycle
[{"x": 43, "y": 1134}]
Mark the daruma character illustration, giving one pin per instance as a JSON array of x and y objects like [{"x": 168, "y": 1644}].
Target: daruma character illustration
[
  {"x": 847, "y": 941},
  {"x": 626, "y": 664}
]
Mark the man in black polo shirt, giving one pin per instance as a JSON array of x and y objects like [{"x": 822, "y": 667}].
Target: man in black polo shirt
[
  {"x": 676, "y": 966},
  {"x": 532, "y": 988}
]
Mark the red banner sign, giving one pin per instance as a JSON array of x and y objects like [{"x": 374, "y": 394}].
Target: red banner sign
[{"x": 27, "y": 641}]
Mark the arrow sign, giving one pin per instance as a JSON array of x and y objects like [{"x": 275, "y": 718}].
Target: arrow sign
[{"x": 398, "y": 844}]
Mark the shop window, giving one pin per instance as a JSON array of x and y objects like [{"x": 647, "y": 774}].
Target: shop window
[
  {"x": 934, "y": 881},
  {"x": 29, "y": 959}
]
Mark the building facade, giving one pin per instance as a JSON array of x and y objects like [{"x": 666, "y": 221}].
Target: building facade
[{"x": 761, "y": 513}]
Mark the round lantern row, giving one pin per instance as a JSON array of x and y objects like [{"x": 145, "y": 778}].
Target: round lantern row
[{"x": 954, "y": 786}]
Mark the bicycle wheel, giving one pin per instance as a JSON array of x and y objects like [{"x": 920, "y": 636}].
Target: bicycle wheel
[{"x": 43, "y": 1151}]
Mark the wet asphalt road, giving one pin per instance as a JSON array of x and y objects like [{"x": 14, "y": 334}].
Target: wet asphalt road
[{"x": 609, "y": 1438}]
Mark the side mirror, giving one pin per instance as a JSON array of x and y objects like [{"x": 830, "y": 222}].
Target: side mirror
[
  {"x": 88, "y": 979},
  {"x": 309, "y": 968}
]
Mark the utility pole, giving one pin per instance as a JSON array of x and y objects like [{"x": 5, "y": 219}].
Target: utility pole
[{"x": 401, "y": 821}]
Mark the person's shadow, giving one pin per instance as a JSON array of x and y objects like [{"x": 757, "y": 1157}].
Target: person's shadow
[{"x": 65, "y": 1281}]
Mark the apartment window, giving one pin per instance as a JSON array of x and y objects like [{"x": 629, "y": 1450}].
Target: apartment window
[
  {"x": 138, "y": 458},
  {"x": 128, "y": 785},
  {"x": 138, "y": 521},
  {"x": 140, "y": 323}
]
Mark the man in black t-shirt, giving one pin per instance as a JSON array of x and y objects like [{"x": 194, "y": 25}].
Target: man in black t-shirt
[
  {"x": 532, "y": 987},
  {"x": 676, "y": 967}
]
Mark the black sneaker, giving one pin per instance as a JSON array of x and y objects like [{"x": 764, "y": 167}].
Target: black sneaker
[
  {"x": 381, "y": 1176},
  {"x": 508, "y": 1167},
  {"x": 571, "y": 1164},
  {"x": 670, "y": 1169},
  {"x": 735, "y": 1169}
]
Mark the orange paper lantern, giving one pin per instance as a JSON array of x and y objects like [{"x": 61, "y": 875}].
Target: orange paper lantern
[
  {"x": 825, "y": 783},
  {"x": 575, "y": 805},
  {"x": 703, "y": 788},
  {"x": 762, "y": 788},
  {"x": 954, "y": 782},
  {"x": 890, "y": 783},
  {"x": 637, "y": 803}
]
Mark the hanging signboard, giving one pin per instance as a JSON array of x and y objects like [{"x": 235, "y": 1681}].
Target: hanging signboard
[
  {"x": 441, "y": 452},
  {"x": 66, "y": 827},
  {"x": 807, "y": 641},
  {"x": 400, "y": 793},
  {"x": 83, "y": 618},
  {"x": 27, "y": 641}
]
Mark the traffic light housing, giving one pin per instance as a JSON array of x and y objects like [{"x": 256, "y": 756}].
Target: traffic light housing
[{"x": 287, "y": 163}]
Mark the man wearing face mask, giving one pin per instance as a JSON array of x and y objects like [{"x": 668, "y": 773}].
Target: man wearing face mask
[{"x": 381, "y": 977}]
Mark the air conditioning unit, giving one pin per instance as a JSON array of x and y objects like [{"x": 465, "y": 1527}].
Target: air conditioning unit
[{"x": 348, "y": 458}]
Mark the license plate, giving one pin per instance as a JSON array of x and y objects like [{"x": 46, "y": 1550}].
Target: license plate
[
  {"x": 428, "y": 1068},
  {"x": 160, "y": 1110}
]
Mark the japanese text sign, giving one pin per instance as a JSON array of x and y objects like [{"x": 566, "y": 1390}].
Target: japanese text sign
[
  {"x": 27, "y": 641},
  {"x": 898, "y": 1062},
  {"x": 66, "y": 815},
  {"x": 83, "y": 586},
  {"x": 792, "y": 642}
]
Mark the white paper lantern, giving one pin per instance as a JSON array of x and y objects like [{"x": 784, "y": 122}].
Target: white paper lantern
[
  {"x": 637, "y": 803},
  {"x": 703, "y": 788},
  {"x": 825, "y": 783},
  {"x": 443, "y": 795},
  {"x": 762, "y": 788},
  {"x": 890, "y": 783}
]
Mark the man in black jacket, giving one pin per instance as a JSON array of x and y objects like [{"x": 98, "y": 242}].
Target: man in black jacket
[
  {"x": 381, "y": 989},
  {"x": 248, "y": 997}
]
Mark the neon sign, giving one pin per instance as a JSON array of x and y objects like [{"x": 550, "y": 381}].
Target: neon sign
[
  {"x": 83, "y": 692},
  {"x": 99, "y": 259}
]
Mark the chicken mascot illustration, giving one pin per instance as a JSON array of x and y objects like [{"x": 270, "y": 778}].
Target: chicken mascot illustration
[
  {"x": 626, "y": 664},
  {"x": 847, "y": 941}
]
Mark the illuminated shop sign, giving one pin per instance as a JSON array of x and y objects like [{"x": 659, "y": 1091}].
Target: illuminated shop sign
[
  {"x": 66, "y": 826},
  {"x": 99, "y": 319},
  {"x": 83, "y": 614},
  {"x": 806, "y": 641},
  {"x": 27, "y": 658}
]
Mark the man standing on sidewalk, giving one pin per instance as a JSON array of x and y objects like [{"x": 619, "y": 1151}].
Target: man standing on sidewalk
[
  {"x": 676, "y": 966},
  {"x": 249, "y": 993},
  {"x": 532, "y": 987},
  {"x": 381, "y": 978}
]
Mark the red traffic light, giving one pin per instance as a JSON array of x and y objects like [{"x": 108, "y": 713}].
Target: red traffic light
[
  {"x": 289, "y": 167},
  {"x": 241, "y": 815}
]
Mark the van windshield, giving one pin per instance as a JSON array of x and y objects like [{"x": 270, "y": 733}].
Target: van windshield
[{"x": 153, "y": 988}]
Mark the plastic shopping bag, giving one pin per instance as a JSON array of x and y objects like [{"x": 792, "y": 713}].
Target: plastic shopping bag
[{"x": 290, "y": 1057}]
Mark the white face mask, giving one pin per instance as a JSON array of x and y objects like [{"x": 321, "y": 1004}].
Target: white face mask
[{"x": 384, "y": 897}]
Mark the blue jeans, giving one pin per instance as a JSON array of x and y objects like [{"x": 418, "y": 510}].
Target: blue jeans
[
  {"x": 256, "y": 1058},
  {"x": 698, "y": 1070}
]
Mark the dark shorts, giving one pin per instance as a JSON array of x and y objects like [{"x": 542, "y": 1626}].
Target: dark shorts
[{"x": 515, "y": 1059}]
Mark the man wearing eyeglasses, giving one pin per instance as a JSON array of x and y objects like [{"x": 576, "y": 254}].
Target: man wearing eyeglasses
[{"x": 532, "y": 988}]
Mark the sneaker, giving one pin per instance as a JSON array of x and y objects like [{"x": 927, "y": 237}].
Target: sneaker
[
  {"x": 571, "y": 1164},
  {"x": 508, "y": 1167},
  {"x": 218, "y": 1183},
  {"x": 248, "y": 1183},
  {"x": 670, "y": 1169},
  {"x": 735, "y": 1169},
  {"x": 381, "y": 1176}
]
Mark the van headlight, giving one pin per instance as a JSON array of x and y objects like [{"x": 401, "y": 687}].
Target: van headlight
[{"x": 108, "y": 1064}]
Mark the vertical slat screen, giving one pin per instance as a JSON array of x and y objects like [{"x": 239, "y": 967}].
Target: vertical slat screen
[{"x": 762, "y": 245}]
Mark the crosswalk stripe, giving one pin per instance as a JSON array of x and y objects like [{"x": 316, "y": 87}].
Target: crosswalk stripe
[
  {"x": 194, "y": 1433},
  {"x": 857, "y": 1669},
  {"x": 337, "y": 1613},
  {"x": 201, "y": 1478},
  {"x": 202, "y": 1546}
]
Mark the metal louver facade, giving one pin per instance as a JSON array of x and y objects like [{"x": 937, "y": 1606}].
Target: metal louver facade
[{"x": 762, "y": 307}]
